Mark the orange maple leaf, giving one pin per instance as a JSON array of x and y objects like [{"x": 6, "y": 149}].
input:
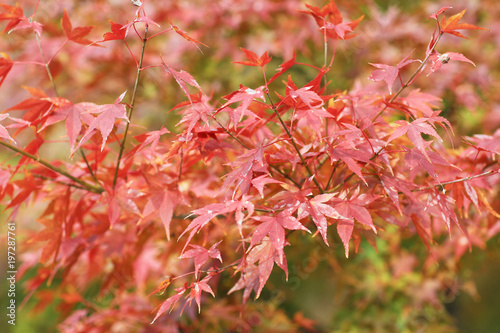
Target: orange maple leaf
[{"x": 451, "y": 24}]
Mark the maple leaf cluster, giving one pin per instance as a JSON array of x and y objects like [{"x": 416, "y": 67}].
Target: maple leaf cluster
[{"x": 210, "y": 206}]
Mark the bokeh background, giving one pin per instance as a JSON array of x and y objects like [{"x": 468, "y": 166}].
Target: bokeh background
[{"x": 376, "y": 290}]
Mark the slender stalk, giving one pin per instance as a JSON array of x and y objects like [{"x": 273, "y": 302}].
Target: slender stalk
[
  {"x": 59, "y": 182},
  {"x": 311, "y": 174},
  {"x": 46, "y": 65},
  {"x": 410, "y": 80},
  {"x": 87, "y": 186},
  {"x": 88, "y": 165},
  {"x": 244, "y": 145},
  {"x": 131, "y": 108},
  {"x": 487, "y": 173}
]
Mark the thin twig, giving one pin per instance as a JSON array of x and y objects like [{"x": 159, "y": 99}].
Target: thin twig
[
  {"x": 87, "y": 186},
  {"x": 131, "y": 108},
  {"x": 294, "y": 144}
]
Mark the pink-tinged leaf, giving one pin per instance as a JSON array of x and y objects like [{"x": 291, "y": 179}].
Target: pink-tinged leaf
[
  {"x": 105, "y": 121},
  {"x": 169, "y": 304},
  {"x": 439, "y": 59},
  {"x": 471, "y": 194},
  {"x": 415, "y": 158},
  {"x": 249, "y": 280},
  {"x": 4, "y": 134},
  {"x": 162, "y": 203},
  {"x": 150, "y": 138},
  {"x": 414, "y": 130},
  {"x": 389, "y": 73},
  {"x": 5, "y": 66},
  {"x": 340, "y": 29},
  {"x": 74, "y": 115},
  {"x": 318, "y": 208},
  {"x": 261, "y": 181},
  {"x": 246, "y": 96},
  {"x": 118, "y": 200},
  {"x": 197, "y": 110},
  {"x": 266, "y": 254},
  {"x": 196, "y": 290},
  {"x": 274, "y": 227},
  {"x": 442, "y": 10},
  {"x": 393, "y": 186},
  {"x": 423, "y": 102},
  {"x": 353, "y": 207},
  {"x": 344, "y": 229},
  {"x": 424, "y": 235},
  {"x": 28, "y": 23},
  {"x": 442, "y": 206},
  {"x": 143, "y": 19},
  {"x": 208, "y": 212},
  {"x": 486, "y": 143},
  {"x": 243, "y": 169},
  {"x": 201, "y": 255},
  {"x": 183, "y": 79},
  {"x": 345, "y": 152}
]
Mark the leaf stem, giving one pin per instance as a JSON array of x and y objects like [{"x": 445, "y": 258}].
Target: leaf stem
[
  {"x": 87, "y": 186},
  {"x": 311, "y": 174},
  {"x": 46, "y": 65},
  {"x": 487, "y": 173},
  {"x": 131, "y": 107},
  {"x": 410, "y": 80}
]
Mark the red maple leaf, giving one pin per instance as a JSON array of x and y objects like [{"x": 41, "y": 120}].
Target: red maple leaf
[
  {"x": 169, "y": 303},
  {"x": 17, "y": 20},
  {"x": 274, "y": 227},
  {"x": 389, "y": 73},
  {"x": 283, "y": 68},
  {"x": 330, "y": 20},
  {"x": 117, "y": 32},
  {"x": 254, "y": 59},
  {"x": 105, "y": 121},
  {"x": 185, "y": 35},
  {"x": 5, "y": 66},
  {"x": 201, "y": 255},
  {"x": 77, "y": 34}
]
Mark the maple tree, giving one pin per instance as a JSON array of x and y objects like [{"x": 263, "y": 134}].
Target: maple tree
[{"x": 178, "y": 226}]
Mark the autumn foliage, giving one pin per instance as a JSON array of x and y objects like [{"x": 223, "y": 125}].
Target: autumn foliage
[{"x": 165, "y": 199}]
